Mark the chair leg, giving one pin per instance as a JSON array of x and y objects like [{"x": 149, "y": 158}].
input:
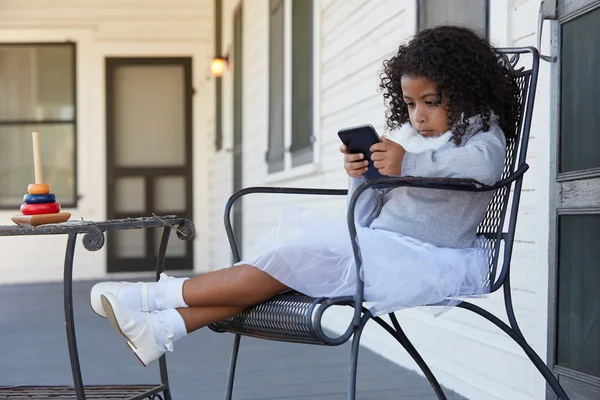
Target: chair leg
[
  {"x": 401, "y": 337},
  {"x": 232, "y": 365},
  {"x": 516, "y": 335},
  {"x": 354, "y": 356}
]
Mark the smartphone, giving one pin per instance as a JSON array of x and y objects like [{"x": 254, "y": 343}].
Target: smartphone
[{"x": 359, "y": 139}]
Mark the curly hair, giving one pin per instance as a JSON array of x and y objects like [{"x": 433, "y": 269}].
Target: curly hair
[{"x": 465, "y": 68}]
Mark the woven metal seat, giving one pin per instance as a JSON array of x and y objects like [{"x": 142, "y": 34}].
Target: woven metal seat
[
  {"x": 297, "y": 318},
  {"x": 287, "y": 318}
]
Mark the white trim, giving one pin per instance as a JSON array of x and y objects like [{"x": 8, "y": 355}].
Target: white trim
[
  {"x": 498, "y": 29},
  {"x": 316, "y": 81},
  {"x": 292, "y": 173},
  {"x": 287, "y": 83}
]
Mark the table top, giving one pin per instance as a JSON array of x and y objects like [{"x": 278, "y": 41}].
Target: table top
[{"x": 183, "y": 226}]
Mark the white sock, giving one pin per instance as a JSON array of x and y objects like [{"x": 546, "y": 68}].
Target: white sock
[
  {"x": 169, "y": 327},
  {"x": 165, "y": 294}
]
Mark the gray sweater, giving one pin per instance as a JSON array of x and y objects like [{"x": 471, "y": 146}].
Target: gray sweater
[{"x": 440, "y": 217}]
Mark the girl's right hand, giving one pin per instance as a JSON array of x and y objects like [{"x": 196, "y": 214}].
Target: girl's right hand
[{"x": 354, "y": 164}]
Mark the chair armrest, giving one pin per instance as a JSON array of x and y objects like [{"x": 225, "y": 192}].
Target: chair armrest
[
  {"x": 267, "y": 190},
  {"x": 466, "y": 185}
]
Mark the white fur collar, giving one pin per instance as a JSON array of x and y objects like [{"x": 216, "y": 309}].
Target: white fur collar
[
  {"x": 409, "y": 138},
  {"x": 413, "y": 142}
]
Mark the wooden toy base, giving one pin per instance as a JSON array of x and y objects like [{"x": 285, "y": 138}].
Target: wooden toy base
[{"x": 41, "y": 219}]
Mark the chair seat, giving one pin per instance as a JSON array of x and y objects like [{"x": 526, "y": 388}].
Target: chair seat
[{"x": 286, "y": 318}]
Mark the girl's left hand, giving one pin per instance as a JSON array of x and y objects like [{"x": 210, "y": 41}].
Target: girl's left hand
[{"x": 387, "y": 157}]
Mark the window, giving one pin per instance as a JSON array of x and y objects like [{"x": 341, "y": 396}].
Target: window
[
  {"x": 38, "y": 94},
  {"x": 290, "y": 84},
  {"x": 470, "y": 13}
]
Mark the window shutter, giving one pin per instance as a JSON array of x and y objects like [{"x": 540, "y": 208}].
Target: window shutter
[
  {"x": 470, "y": 13},
  {"x": 276, "y": 148},
  {"x": 302, "y": 82}
]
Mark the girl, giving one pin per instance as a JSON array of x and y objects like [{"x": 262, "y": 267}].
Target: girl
[{"x": 450, "y": 107}]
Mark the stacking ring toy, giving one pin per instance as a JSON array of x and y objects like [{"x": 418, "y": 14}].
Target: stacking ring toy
[
  {"x": 38, "y": 188},
  {"x": 40, "y": 206},
  {"x": 39, "y": 198},
  {"x": 36, "y": 209}
]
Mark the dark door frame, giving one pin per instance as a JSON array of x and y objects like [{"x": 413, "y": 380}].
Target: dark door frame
[
  {"x": 571, "y": 379},
  {"x": 112, "y": 173}
]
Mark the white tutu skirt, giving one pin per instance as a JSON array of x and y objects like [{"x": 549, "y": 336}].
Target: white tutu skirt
[{"x": 312, "y": 254}]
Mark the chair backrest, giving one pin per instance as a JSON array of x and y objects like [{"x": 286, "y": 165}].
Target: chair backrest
[{"x": 523, "y": 63}]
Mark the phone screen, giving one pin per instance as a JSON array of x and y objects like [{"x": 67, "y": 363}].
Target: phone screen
[{"x": 359, "y": 139}]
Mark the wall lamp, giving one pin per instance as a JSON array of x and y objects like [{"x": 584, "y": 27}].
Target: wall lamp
[{"x": 218, "y": 65}]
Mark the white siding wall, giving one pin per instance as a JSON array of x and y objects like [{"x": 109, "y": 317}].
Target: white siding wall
[
  {"x": 354, "y": 36},
  {"x": 465, "y": 352},
  {"x": 101, "y": 29}
]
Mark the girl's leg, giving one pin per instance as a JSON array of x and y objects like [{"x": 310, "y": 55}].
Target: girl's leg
[
  {"x": 222, "y": 294},
  {"x": 199, "y": 317},
  {"x": 242, "y": 285},
  {"x": 238, "y": 286}
]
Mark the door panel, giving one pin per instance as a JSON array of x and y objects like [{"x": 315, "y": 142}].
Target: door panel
[
  {"x": 578, "y": 330},
  {"x": 149, "y": 114},
  {"x": 149, "y": 158},
  {"x": 580, "y": 59},
  {"x": 574, "y": 298}
]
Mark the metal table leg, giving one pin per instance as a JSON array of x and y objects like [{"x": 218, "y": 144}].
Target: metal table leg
[{"x": 69, "y": 320}]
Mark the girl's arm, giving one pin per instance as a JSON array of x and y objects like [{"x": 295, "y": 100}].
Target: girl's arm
[
  {"x": 481, "y": 158},
  {"x": 369, "y": 203}
]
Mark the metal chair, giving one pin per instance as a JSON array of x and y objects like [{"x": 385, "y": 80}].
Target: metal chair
[{"x": 293, "y": 317}]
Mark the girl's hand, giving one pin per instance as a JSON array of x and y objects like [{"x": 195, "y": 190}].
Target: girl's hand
[
  {"x": 387, "y": 157},
  {"x": 354, "y": 164}
]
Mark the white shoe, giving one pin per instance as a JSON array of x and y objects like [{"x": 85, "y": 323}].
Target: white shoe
[
  {"x": 112, "y": 288},
  {"x": 140, "y": 338}
]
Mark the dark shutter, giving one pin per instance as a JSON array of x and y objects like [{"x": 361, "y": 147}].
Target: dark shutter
[
  {"x": 302, "y": 82},
  {"x": 218, "y": 82},
  {"x": 470, "y": 13},
  {"x": 276, "y": 148}
]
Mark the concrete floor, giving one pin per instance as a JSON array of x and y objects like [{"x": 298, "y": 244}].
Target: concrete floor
[{"x": 34, "y": 352}]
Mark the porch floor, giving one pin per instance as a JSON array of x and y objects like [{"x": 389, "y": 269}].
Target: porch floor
[{"x": 34, "y": 352}]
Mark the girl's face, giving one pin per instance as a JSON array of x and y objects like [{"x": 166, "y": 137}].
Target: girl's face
[{"x": 427, "y": 112}]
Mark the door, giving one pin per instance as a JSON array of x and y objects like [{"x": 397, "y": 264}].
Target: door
[
  {"x": 237, "y": 124},
  {"x": 149, "y": 157},
  {"x": 574, "y": 315}
]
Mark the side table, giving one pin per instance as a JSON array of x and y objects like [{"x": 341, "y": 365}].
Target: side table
[{"x": 93, "y": 240}]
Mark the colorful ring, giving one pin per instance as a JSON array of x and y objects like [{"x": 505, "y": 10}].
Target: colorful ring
[
  {"x": 39, "y": 198},
  {"x": 36, "y": 209},
  {"x": 38, "y": 188}
]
